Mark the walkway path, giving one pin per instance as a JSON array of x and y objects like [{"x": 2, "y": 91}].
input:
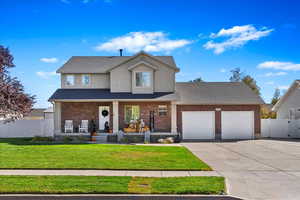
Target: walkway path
[{"x": 110, "y": 173}]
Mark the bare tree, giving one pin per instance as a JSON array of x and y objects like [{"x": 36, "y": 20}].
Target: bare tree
[{"x": 238, "y": 76}]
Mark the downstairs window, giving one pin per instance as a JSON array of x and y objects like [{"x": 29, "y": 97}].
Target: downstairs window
[{"x": 132, "y": 112}]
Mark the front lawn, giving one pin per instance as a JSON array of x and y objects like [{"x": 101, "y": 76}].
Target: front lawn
[
  {"x": 111, "y": 184},
  {"x": 23, "y": 154}
]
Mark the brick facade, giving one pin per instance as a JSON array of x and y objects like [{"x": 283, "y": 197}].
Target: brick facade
[
  {"x": 255, "y": 108},
  {"x": 161, "y": 123},
  {"x": 78, "y": 111}
]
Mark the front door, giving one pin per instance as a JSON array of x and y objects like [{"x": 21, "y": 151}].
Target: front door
[{"x": 103, "y": 116}]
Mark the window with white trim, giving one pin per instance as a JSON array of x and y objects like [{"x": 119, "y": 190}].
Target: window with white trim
[
  {"x": 70, "y": 80},
  {"x": 162, "y": 110},
  {"x": 132, "y": 112},
  {"x": 85, "y": 79},
  {"x": 142, "y": 79}
]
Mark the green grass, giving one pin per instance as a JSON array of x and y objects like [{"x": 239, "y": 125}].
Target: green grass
[
  {"x": 23, "y": 154},
  {"x": 111, "y": 184}
]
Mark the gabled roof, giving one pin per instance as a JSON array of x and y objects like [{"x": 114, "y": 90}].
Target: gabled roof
[
  {"x": 294, "y": 86},
  {"x": 103, "y": 64},
  {"x": 216, "y": 93}
]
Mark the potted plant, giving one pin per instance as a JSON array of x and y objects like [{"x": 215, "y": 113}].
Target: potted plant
[{"x": 93, "y": 128}]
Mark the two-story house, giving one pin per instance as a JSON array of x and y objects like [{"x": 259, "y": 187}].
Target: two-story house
[{"x": 114, "y": 90}]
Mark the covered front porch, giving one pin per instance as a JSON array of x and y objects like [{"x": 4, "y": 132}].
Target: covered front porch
[{"x": 110, "y": 118}]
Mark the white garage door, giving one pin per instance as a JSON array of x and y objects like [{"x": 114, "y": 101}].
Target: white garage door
[
  {"x": 198, "y": 125},
  {"x": 237, "y": 124}
]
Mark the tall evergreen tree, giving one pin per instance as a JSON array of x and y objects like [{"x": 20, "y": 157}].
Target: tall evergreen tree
[{"x": 276, "y": 96}]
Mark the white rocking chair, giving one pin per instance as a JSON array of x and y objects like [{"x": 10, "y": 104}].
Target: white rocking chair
[
  {"x": 84, "y": 126},
  {"x": 69, "y": 126}
]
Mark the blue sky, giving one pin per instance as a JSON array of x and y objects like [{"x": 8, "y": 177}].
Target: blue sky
[{"x": 206, "y": 38}]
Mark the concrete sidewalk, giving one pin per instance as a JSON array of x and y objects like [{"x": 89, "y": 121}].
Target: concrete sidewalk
[{"x": 109, "y": 173}]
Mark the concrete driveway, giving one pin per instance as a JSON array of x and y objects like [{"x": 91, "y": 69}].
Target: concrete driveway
[{"x": 255, "y": 169}]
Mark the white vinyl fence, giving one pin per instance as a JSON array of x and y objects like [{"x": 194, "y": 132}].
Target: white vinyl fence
[
  {"x": 27, "y": 128},
  {"x": 280, "y": 128}
]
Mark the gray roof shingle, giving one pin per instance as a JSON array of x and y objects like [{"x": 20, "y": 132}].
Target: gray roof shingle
[
  {"x": 216, "y": 93},
  {"x": 101, "y": 64}
]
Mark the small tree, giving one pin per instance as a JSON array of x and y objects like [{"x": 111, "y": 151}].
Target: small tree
[
  {"x": 197, "y": 80},
  {"x": 248, "y": 80},
  {"x": 276, "y": 96},
  {"x": 14, "y": 102}
]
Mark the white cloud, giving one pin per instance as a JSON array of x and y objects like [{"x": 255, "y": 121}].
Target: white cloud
[
  {"x": 270, "y": 83},
  {"x": 283, "y": 87},
  {"x": 237, "y": 36},
  {"x": 49, "y": 60},
  {"x": 45, "y": 75},
  {"x": 147, "y": 41},
  {"x": 222, "y": 70},
  {"x": 288, "y": 66},
  {"x": 269, "y": 74}
]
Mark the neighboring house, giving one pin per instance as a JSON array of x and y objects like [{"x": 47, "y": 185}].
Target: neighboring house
[
  {"x": 288, "y": 106},
  {"x": 143, "y": 87},
  {"x": 36, "y": 113},
  {"x": 48, "y": 113}
]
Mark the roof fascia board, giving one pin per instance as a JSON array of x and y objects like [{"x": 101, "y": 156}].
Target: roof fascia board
[
  {"x": 142, "y": 62},
  {"x": 146, "y": 54}
]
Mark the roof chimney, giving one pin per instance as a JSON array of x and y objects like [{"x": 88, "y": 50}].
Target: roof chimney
[{"x": 121, "y": 52}]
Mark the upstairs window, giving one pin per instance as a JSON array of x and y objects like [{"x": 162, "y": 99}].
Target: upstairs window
[
  {"x": 143, "y": 79},
  {"x": 85, "y": 79},
  {"x": 70, "y": 80}
]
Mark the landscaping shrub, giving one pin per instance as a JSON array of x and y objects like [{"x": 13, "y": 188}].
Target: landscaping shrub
[{"x": 41, "y": 139}]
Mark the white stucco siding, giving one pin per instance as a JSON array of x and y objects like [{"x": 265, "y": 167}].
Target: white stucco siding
[
  {"x": 96, "y": 81},
  {"x": 163, "y": 77},
  {"x": 164, "y": 80},
  {"x": 292, "y": 101},
  {"x": 120, "y": 79}
]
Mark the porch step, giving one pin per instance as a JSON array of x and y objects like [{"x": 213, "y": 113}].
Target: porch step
[{"x": 100, "y": 138}]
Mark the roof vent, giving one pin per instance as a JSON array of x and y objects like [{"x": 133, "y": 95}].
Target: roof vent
[{"x": 121, "y": 52}]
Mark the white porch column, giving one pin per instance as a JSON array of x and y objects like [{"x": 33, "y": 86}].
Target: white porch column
[
  {"x": 173, "y": 117},
  {"x": 57, "y": 118},
  {"x": 115, "y": 116}
]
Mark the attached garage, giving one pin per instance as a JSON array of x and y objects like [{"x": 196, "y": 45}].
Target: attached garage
[
  {"x": 237, "y": 124},
  {"x": 198, "y": 125},
  {"x": 217, "y": 110}
]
